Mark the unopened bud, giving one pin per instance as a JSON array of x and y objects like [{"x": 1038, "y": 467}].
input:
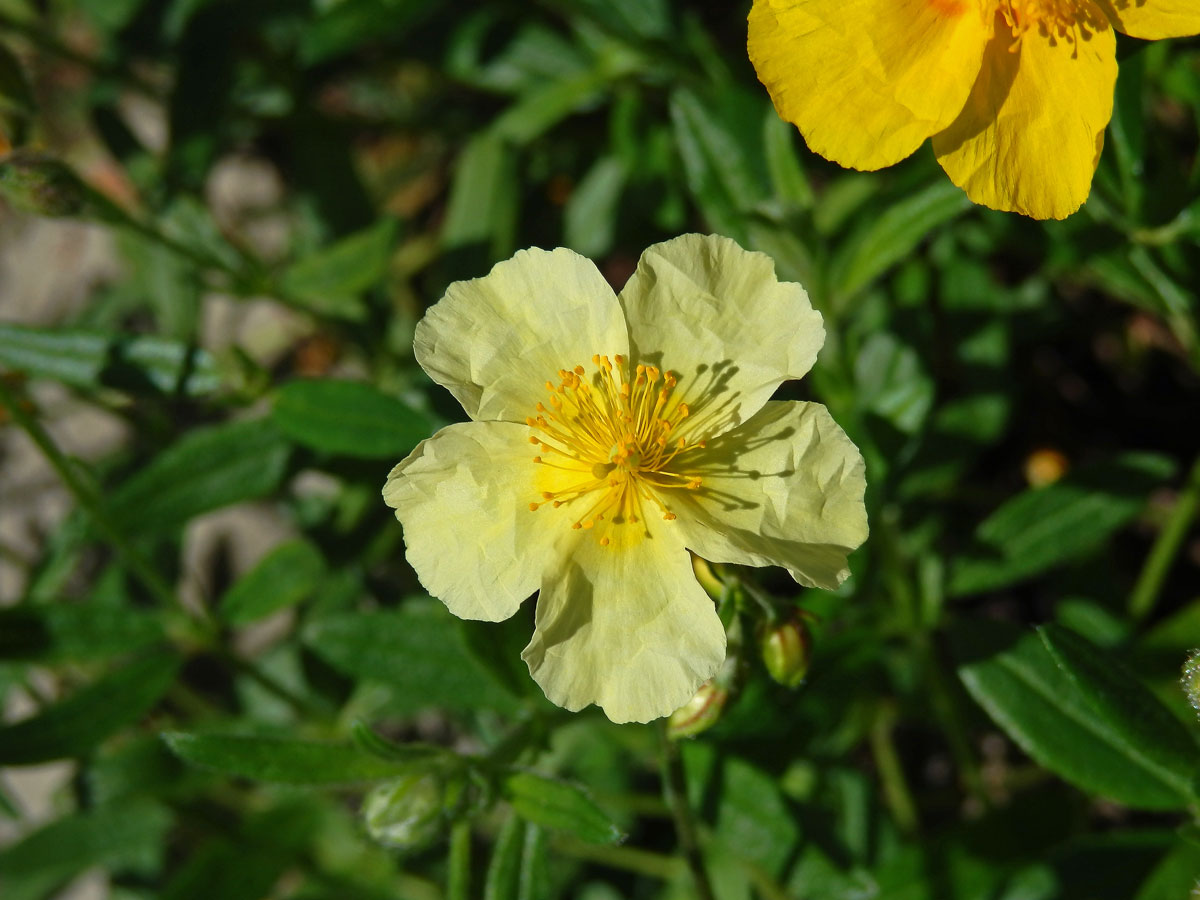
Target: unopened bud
[
  {"x": 407, "y": 813},
  {"x": 700, "y": 713},
  {"x": 1191, "y": 679},
  {"x": 786, "y": 651},
  {"x": 41, "y": 184}
]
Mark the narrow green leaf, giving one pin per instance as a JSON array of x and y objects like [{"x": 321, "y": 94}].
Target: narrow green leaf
[
  {"x": 281, "y": 760},
  {"x": 284, "y": 577},
  {"x": 348, "y": 418},
  {"x": 331, "y": 280},
  {"x": 534, "y": 883},
  {"x": 790, "y": 184},
  {"x": 560, "y": 806},
  {"x": 372, "y": 743},
  {"x": 74, "y": 631},
  {"x": 504, "y": 868},
  {"x": 1147, "y": 729},
  {"x": 1175, "y": 876},
  {"x": 892, "y": 382},
  {"x": 547, "y": 104},
  {"x": 482, "y": 210},
  {"x": 415, "y": 651},
  {"x": 125, "y": 836},
  {"x": 892, "y": 236},
  {"x": 89, "y": 359},
  {"x": 76, "y": 725},
  {"x": 205, "y": 470},
  {"x": 1047, "y": 526},
  {"x": 590, "y": 218},
  {"x": 1029, "y": 695}
]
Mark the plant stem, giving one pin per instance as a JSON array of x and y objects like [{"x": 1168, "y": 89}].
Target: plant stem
[
  {"x": 458, "y": 885},
  {"x": 891, "y": 773},
  {"x": 1166, "y": 546},
  {"x": 88, "y": 500},
  {"x": 628, "y": 859},
  {"x": 675, "y": 791}
]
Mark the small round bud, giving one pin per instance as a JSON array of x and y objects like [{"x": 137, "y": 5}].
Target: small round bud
[
  {"x": 41, "y": 184},
  {"x": 786, "y": 652},
  {"x": 407, "y": 813},
  {"x": 1191, "y": 679},
  {"x": 700, "y": 713}
]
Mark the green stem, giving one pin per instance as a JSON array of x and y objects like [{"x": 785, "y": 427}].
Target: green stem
[
  {"x": 628, "y": 859},
  {"x": 896, "y": 792},
  {"x": 88, "y": 500},
  {"x": 675, "y": 791},
  {"x": 458, "y": 885},
  {"x": 1166, "y": 546}
]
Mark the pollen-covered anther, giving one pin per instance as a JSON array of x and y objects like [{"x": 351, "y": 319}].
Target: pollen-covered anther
[{"x": 610, "y": 440}]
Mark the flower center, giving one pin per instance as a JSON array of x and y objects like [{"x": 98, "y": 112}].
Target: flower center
[
  {"x": 613, "y": 444},
  {"x": 1070, "y": 20}
]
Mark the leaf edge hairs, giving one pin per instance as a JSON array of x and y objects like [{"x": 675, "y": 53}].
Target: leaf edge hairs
[{"x": 587, "y": 482}]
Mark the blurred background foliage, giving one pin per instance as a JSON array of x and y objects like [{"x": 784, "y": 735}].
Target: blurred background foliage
[{"x": 220, "y": 221}]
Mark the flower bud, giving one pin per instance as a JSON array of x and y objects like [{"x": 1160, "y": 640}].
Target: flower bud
[
  {"x": 1191, "y": 679},
  {"x": 408, "y": 812},
  {"x": 41, "y": 184},
  {"x": 786, "y": 651},
  {"x": 700, "y": 713}
]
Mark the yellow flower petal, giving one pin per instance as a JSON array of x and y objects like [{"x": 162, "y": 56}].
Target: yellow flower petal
[
  {"x": 625, "y": 627},
  {"x": 1030, "y": 136},
  {"x": 785, "y": 489},
  {"x": 715, "y": 315},
  {"x": 494, "y": 341},
  {"x": 463, "y": 499},
  {"x": 1154, "y": 19},
  {"x": 866, "y": 81}
]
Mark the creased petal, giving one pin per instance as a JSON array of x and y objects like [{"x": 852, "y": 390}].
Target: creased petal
[
  {"x": 625, "y": 627},
  {"x": 866, "y": 81},
  {"x": 786, "y": 489},
  {"x": 714, "y": 314},
  {"x": 494, "y": 341},
  {"x": 1154, "y": 19},
  {"x": 463, "y": 498},
  {"x": 1030, "y": 136}
]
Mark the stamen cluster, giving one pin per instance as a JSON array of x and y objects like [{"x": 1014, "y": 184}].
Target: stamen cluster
[
  {"x": 1070, "y": 20},
  {"x": 619, "y": 438}
]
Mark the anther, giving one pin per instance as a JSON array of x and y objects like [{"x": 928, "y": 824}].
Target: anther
[
  {"x": 533, "y": 507},
  {"x": 604, "y": 541}
]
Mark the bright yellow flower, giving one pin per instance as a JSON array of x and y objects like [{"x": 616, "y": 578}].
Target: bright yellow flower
[
  {"x": 1015, "y": 93},
  {"x": 609, "y": 436}
]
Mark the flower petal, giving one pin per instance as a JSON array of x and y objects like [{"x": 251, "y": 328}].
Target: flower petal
[
  {"x": 1154, "y": 19},
  {"x": 1030, "y": 136},
  {"x": 624, "y": 627},
  {"x": 463, "y": 498},
  {"x": 785, "y": 489},
  {"x": 714, "y": 314},
  {"x": 866, "y": 81},
  {"x": 494, "y": 341}
]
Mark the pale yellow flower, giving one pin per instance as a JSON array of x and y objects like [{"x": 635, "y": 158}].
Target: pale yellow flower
[
  {"x": 610, "y": 435},
  {"x": 1016, "y": 94}
]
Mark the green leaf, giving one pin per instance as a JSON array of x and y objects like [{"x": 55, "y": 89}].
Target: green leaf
[
  {"x": 88, "y": 359},
  {"x": 1047, "y": 526},
  {"x": 415, "y": 651},
  {"x": 790, "y": 184},
  {"x": 76, "y": 725},
  {"x": 1044, "y": 710},
  {"x": 1113, "y": 692},
  {"x": 590, "y": 218},
  {"x": 893, "y": 235},
  {"x": 348, "y": 418},
  {"x": 331, "y": 280},
  {"x": 281, "y": 760},
  {"x": 720, "y": 176},
  {"x": 559, "y": 806},
  {"x": 74, "y": 631},
  {"x": 892, "y": 382},
  {"x": 547, "y": 104},
  {"x": 126, "y": 836},
  {"x": 206, "y": 469},
  {"x": 284, "y": 577},
  {"x": 482, "y": 211},
  {"x": 1174, "y": 877}
]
